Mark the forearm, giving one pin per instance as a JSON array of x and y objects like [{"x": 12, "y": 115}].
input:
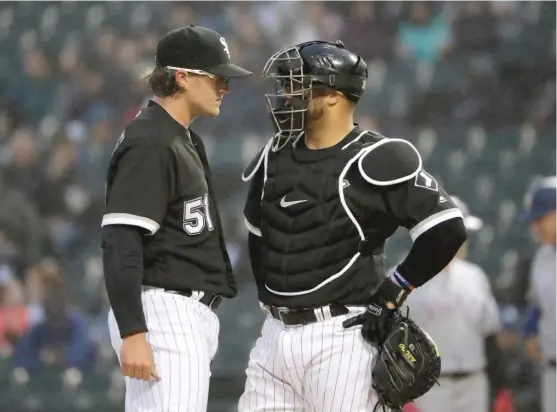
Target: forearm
[
  {"x": 432, "y": 252},
  {"x": 123, "y": 272}
]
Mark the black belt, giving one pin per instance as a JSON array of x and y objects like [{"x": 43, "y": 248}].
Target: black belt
[
  {"x": 211, "y": 300},
  {"x": 291, "y": 317}
]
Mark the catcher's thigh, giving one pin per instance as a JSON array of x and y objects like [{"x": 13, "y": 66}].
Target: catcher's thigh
[
  {"x": 183, "y": 334},
  {"x": 457, "y": 395},
  {"x": 269, "y": 384},
  {"x": 320, "y": 367},
  {"x": 548, "y": 389},
  {"x": 338, "y": 376}
]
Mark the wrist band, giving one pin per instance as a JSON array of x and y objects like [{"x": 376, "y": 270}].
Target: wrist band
[{"x": 398, "y": 279}]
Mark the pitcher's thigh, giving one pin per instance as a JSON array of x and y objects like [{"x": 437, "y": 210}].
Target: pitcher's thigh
[{"x": 183, "y": 385}]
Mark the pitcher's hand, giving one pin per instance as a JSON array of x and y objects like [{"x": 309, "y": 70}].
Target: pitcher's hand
[{"x": 136, "y": 358}]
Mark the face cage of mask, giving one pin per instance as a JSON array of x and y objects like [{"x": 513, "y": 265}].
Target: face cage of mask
[{"x": 293, "y": 91}]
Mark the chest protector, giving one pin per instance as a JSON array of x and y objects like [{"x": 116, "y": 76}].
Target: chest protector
[{"x": 311, "y": 236}]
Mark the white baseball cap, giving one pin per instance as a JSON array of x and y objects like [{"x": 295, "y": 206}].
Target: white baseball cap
[{"x": 471, "y": 222}]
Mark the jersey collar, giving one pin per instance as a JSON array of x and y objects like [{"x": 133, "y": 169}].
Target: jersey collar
[{"x": 302, "y": 154}]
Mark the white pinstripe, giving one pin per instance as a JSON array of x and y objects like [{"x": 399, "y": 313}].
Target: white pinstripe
[
  {"x": 183, "y": 334},
  {"x": 320, "y": 367}
]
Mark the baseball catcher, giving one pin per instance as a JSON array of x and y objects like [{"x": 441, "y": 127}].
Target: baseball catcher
[{"x": 323, "y": 198}]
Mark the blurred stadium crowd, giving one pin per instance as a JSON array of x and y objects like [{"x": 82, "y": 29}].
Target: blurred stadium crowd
[{"x": 471, "y": 84}]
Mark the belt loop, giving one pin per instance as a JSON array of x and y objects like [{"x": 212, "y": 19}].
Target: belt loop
[
  {"x": 326, "y": 312},
  {"x": 319, "y": 314},
  {"x": 280, "y": 311}
]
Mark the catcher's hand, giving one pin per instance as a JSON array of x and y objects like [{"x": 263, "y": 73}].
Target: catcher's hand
[{"x": 376, "y": 321}]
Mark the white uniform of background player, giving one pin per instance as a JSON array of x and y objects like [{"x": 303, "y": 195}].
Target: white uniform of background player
[
  {"x": 458, "y": 310},
  {"x": 541, "y": 315}
]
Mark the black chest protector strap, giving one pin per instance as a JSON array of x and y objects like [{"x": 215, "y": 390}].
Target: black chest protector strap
[{"x": 256, "y": 163}]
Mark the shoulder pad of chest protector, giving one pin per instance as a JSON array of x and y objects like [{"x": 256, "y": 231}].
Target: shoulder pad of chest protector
[
  {"x": 255, "y": 164},
  {"x": 389, "y": 162}
]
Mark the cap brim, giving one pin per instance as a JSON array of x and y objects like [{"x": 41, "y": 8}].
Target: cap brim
[
  {"x": 473, "y": 223},
  {"x": 228, "y": 70},
  {"x": 532, "y": 215}
]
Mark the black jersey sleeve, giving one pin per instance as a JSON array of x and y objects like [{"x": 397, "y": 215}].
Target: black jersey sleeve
[
  {"x": 435, "y": 224},
  {"x": 139, "y": 187},
  {"x": 420, "y": 204}
]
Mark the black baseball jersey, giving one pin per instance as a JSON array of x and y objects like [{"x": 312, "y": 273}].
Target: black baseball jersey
[
  {"x": 159, "y": 180},
  {"x": 324, "y": 216}
]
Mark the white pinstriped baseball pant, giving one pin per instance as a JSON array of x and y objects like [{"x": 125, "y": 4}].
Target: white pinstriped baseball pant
[
  {"x": 183, "y": 334},
  {"x": 320, "y": 367}
]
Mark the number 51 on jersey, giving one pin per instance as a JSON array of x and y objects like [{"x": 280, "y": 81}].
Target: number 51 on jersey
[{"x": 197, "y": 216}]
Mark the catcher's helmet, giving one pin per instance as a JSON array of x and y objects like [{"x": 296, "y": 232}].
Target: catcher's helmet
[{"x": 299, "y": 69}]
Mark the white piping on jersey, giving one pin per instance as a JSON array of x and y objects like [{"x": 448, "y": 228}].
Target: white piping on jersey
[
  {"x": 258, "y": 165},
  {"x": 355, "y": 140},
  {"x": 265, "y": 164},
  {"x": 256, "y": 231},
  {"x": 130, "y": 220},
  {"x": 368, "y": 150},
  {"x": 434, "y": 220},
  {"x": 354, "y": 221}
]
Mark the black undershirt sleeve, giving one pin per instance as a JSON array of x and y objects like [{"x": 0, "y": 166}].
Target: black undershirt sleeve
[
  {"x": 433, "y": 251},
  {"x": 123, "y": 273}
]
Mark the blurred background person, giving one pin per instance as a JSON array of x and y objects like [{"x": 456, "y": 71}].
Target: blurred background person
[
  {"x": 15, "y": 317},
  {"x": 540, "y": 323},
  {"x": 60, "y": 335},
  {"x": 457, "y": 308}
]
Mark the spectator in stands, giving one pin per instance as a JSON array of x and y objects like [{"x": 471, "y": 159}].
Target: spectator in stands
[
  {"x": 380, "y": 31},
  {"x": 61, "y": 337},
  {"x": 37, "y": 82},
  {"x": 25, "y": 170},
  {"x": 62, "y": 199},
  {"x": 475, "y": 28},
  {"x": 422, "y": 35},
  {"x": 21, "y": 226},
  {"x": 14, "y": 315}
]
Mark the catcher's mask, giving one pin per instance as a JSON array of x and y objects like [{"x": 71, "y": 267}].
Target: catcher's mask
[{"x": 299, "y": 70}]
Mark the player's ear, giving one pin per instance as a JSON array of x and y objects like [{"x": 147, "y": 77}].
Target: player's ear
[
  {"x": 333, "y": 97},
  {"x": 182, "y": 79}
]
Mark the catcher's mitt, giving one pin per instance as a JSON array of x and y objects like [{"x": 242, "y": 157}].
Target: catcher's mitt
[{"x": 407, "y": 366}]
